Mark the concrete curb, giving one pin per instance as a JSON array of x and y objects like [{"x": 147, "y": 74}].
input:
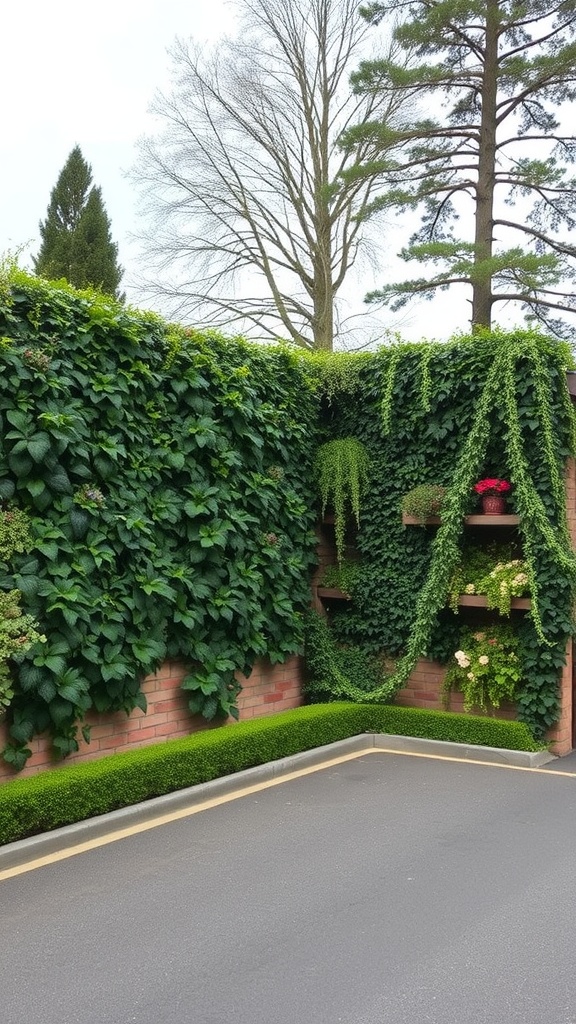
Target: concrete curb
[{"x": 13, "y": 854}]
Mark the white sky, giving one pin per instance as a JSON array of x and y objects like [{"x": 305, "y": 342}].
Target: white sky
[{"x": 82, "y": 74}]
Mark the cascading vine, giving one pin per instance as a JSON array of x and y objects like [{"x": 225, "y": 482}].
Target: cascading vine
[{"x": 518, "y": 412}]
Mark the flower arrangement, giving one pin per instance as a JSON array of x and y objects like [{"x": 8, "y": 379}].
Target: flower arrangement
[
  {"x": 492, "y": 485},
  {"x": 487, "y": 669},
  {"x": 505, "y": 581},
  {"x": 494, "y": 573}
]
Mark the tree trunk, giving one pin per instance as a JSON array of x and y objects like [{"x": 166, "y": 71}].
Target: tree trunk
[{"x": 482, "y": 297}]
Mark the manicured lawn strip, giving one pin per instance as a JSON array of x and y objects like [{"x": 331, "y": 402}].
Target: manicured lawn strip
[{"x": 66, "y": 795}]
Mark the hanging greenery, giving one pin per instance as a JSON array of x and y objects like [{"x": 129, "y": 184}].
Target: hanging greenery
[
  {"x": 492, "y": 405},
  {"x": 342, "y": 470}
]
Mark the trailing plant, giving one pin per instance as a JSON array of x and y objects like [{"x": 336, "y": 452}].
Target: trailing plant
[
  {"x": 487, "y": 669},
  {"x": 505, "y": 581},
  {"x": 492, "y": 572},
  {"x": 336, "y": 671},
  {"x": 169, "y": 479},
  {"x": 498, "y": 405},
  {"x": 424, "y": 501},
  {"x": 342, "y": 470}
]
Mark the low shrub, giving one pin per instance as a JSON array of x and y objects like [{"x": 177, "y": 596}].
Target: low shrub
[{"x": 70, "y": 794}]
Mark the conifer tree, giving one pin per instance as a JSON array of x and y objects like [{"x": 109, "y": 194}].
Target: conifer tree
[
  {"x": 490, "y": 76},
  {"x": 76, "y": 238}
]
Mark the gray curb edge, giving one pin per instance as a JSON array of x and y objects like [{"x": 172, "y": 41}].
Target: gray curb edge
[{"x": 47, "y": 843}]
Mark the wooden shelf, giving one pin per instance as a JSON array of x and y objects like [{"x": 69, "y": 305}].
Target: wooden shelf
[
  {"x": 474, "y": 520},
  {"x": 479, "y": 601},
  {"x": 332, "y": 594}
]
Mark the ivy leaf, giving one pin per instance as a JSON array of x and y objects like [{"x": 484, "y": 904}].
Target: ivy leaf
[{"x": 38, "y": 446}]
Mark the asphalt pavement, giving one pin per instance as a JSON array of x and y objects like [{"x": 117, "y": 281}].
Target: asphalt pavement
[{"x": 384, "y": 890}]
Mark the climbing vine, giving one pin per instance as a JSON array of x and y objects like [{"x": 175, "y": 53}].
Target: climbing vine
[
  {"x": 168, "y": 477},
  {"x": 494, "y": 404}
]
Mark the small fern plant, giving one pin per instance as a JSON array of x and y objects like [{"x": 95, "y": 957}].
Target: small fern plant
[{"x": 342, "y": 470}]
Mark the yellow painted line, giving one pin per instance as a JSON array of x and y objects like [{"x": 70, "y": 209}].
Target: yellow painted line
[
  {"x": 165, "y": 819},
  {"x": 217, "y": 801},
  {"x": 470, "y": 760}
]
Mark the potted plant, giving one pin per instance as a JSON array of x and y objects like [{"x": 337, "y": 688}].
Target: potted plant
[
  {"x": 423, "y": 502},
  {"x": 492, "y": 492},
  {"x": 342, "y": 469},
  {"x": 493, "y": 572},
  {"x": 487, "y": 669}
]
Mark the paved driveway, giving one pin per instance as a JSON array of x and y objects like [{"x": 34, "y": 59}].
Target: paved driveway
[{"x": 385, "y": 890}]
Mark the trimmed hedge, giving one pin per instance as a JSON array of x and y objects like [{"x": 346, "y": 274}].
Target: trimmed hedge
[{"x": 66, "y": 795}]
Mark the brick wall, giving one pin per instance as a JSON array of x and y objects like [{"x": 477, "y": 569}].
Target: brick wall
[
  {"x": 269, "y": 688},
  {"x": 424, "y": 690}
]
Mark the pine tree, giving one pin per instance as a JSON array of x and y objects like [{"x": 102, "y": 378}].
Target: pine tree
[
  {"x": 494, "y": 73},
  {"x": 76, "y": 238}
]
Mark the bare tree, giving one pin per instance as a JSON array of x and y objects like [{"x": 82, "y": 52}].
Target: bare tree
[{"x": 245, "y": 226}]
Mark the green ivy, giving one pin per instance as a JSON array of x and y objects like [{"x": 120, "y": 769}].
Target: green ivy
[
  {"x": 168, "y": 475},
  {"x": 492, "y": 404}
]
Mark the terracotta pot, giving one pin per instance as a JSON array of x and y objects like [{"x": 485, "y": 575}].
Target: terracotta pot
[{"x": 493, "y": 504}]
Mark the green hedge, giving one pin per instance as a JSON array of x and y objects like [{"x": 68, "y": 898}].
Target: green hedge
[{"x": 66, "y": 795}]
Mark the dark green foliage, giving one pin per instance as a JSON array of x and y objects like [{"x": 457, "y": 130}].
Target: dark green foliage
[
  {"x": 52, "y": 799},
  {"x": 169, "y": 478},
  {"x": 494, "y": 404},
  {"x": 76, "y": 239},
  {"x": 342, "y": 576}
]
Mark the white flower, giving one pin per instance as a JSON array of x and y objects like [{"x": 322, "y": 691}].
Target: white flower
[
  {"x": 462, "y": 659},
  {"x": 471, "y": 677},
  {"x": 469, "y": 588},
  {"x": 483, "y": 659}
]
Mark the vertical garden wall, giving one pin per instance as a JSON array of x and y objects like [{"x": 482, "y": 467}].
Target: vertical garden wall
[
  {"x": 167, "y": 475},
  {"x": 493, "y": 405},
  {"x": 170, "y": 484}
]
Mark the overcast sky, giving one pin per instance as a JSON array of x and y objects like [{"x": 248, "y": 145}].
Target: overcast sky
[{"x": 83, "y": 74}]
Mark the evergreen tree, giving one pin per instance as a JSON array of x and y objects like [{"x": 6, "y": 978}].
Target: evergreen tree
[
  {"x": 495, "y": 73},
  {"x": 76, "y": 239}
]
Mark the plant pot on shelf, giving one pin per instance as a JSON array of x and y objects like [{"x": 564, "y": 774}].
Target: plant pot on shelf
[{"x": 493, "y": 504}]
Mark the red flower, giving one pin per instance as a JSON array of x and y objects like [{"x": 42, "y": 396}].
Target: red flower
[{"x": 491, "y": 486}]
